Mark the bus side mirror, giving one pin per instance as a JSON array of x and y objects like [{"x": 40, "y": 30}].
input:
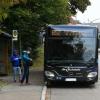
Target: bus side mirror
[{"x": 99, "y": 36}]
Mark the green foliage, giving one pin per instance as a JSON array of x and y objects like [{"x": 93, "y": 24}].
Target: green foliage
[
  {"x": 4, "y": 7},
  {"x": 5, "y": 3},
  {"x": 39, "y": 62},
  {"x": 23, "y": 19},
  {"x": 3, "y": 83},
  {"x": 51, "y": 11},
  {"x": 48, "y": 10},
  {"x": 3, "y": 14},
  {"x": 80, "y": 5}
]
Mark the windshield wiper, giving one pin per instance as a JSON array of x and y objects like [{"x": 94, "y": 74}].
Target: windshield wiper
[
  {"x": 66, "y": 61},
  {"x": 91, "y": 60}
]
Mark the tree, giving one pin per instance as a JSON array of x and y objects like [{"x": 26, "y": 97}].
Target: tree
[
  {"x": 4, "y": 7},
  {"x": 80, "y": 5}
]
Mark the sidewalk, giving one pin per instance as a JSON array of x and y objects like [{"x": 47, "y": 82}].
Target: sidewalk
[{"x": 13, "y": 91}]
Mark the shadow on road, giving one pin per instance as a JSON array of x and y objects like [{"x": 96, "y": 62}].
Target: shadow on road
[{"x": 71, "y": 85}]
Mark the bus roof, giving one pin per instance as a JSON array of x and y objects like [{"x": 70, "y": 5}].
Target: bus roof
[{"x": 72, "y": 26}]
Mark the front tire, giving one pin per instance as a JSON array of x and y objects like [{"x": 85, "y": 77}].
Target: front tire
[
  {"x": 91, "y": 83},
  {"x": 47, "y": 83}
]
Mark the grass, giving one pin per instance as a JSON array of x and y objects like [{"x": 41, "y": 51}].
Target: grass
[
  {"x": 2, "y": 83},
  {"x": 40, "y": 58}
]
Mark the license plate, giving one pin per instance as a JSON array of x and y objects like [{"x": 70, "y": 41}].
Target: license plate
[{"x": 70, "y": 79}]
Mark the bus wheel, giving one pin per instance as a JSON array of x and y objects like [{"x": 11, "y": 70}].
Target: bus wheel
[
  {"x": 48, "y": 83},
  {"x": 91, "y": 84}
]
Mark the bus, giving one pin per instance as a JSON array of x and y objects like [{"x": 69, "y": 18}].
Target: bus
[{"x": 71, "y": 54}]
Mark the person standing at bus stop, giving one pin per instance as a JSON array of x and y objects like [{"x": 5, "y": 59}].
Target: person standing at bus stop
[
  {"x": 16, "y": 60},
  {"x": 26, "y": 63}
]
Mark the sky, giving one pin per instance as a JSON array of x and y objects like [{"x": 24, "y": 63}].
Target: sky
[{"x": 92, "y": 14}]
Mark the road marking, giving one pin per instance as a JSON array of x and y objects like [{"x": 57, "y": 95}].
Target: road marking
[{"x": 43, "y": 96}]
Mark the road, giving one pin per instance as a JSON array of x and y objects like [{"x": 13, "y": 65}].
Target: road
[{"x": 74, "y": 92}]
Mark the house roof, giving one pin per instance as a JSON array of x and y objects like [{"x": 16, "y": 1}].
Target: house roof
[{"x": 4, "y": 34}]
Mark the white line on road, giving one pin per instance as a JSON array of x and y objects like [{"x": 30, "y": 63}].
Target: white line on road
[{"x": 43, "y": 96}]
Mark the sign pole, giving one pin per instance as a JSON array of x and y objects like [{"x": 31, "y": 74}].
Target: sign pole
[
  {"x": 20, "y": 45},
  {"x": 12, "y": 46}
]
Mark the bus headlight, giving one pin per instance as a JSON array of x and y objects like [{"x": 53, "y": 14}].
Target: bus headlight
[
  {"x": 92, "y": 74},
  {"x": 49, "y": 74}
]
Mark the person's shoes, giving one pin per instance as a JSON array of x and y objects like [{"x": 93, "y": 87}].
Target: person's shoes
[
  {"x": 28, "y": 83},
  {"x": 19, "y": 80},
  {"x": 21, "y": 83}
]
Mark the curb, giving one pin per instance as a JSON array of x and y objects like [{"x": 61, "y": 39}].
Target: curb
[{"x": 43, "y": 96}]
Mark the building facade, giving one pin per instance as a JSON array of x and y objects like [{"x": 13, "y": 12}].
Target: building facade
[{"x": 5, "y": 39}]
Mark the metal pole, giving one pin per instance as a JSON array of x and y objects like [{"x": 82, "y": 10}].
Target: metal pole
[
  {"x": 12, "y": 46},
  {"x": 20, "y": 45}
]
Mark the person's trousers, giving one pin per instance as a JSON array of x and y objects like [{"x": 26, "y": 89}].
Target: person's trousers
[
  {"x": 25, "y": 74},
  {"x": 16, "y": 71}
]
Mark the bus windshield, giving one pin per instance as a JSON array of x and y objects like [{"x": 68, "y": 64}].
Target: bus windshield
[{"x": 71, "y": 48}]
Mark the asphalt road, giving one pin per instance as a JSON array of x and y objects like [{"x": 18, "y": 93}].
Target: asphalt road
[{"x": 74, "y": 92}]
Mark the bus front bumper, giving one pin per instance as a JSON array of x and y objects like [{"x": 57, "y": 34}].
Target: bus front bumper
[{"x": 91, "y": 77}]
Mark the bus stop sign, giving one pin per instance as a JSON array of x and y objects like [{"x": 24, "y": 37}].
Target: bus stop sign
[{"x": 15, "y": 35}]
